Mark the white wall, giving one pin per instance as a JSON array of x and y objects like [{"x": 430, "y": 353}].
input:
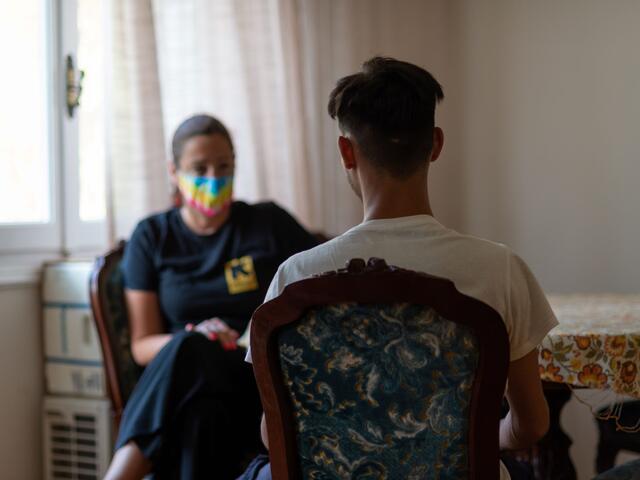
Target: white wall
[
  {"x": 541, "y": 117},
  {"x": 21, "y": 383},
  {"x": 545, "y": 130}
]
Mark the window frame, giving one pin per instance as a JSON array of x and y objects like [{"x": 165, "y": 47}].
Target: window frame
[
  {"x": 79, "y": 236},
  {"x": 44, "y": 237},
  {"x": 24, "y": 247}
]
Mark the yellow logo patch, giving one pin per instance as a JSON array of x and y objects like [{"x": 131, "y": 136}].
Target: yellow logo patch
[{"x": 240, "y": 275}]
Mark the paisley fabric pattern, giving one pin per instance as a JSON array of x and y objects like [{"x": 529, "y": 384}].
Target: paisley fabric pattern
[
  {"x": 379, "y": 391},
  {"x": 116, "y": 317}
]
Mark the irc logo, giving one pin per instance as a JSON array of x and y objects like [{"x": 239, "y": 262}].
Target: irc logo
[{"x": 240, "y": 275}]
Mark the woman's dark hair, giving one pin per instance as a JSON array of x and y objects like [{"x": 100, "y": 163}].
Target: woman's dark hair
[
  {"x": 389, "y": 108},
  {"x": 194, "y": 126}
]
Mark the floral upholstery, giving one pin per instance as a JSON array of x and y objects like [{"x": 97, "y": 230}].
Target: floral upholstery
[
  {"x": 379, "y": 391},
  {"x": 118, "y": 325},
  {"x": 627, "y": 471}
]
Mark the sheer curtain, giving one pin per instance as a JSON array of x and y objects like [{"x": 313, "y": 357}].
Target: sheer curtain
[
  {"x": 138, "y": 183},
  {"x": 265, "y": 68},
  {"x": 240, "y": 61}
]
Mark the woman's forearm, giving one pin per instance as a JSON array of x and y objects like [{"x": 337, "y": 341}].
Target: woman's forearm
[{"x": 146, "y": 348}]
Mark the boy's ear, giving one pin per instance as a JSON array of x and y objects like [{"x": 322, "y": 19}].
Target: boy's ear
[
  {"x": 347, "y": 153},
  {"x": 438, "y": 143}
]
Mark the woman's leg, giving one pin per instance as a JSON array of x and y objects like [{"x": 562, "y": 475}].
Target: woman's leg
[
  {"x": 128, "y": 463},
  {"x": 193, "y": 388}
]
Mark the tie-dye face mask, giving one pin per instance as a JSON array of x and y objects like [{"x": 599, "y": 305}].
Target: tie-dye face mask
[{"x": 208, "y": 195}]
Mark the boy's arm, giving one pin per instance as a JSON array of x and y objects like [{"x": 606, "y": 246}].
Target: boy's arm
[
  {"x": 263, "y": 432},
  {"x": 528, "y": 417}
]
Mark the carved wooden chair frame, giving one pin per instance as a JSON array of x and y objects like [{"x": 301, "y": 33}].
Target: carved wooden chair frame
[
  {"x": 99, "y": 304},
  {"x": 376, "y": 283}
]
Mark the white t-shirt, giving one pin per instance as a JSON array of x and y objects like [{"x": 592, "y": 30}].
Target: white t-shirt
[{"x": 487, "y": 271}]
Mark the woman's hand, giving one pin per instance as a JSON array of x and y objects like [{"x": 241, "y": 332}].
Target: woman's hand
[{"x": 215, "y": 329}]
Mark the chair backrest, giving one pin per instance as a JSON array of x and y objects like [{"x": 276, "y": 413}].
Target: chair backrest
[
  {"x": 110, "y": 313},
  {"x": 379, "y": 372}
]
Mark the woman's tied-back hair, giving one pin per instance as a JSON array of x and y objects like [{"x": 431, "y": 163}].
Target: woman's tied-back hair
[
  {"x": 389, "y": 108},
  {"x": 194, "y": 126}
]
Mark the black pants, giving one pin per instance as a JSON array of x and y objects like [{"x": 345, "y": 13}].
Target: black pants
[
  {"x": 259, "y": 469},
  {"x": 517, "y": 470},
  {"x": 195, "y": 413}
]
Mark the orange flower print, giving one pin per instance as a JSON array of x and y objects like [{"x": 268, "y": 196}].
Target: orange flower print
[
  {"x": 550, "y": 373},
  {"x": 628, "y": 372},
  {"x": 546, "y": 354},
  {"x": 583, "y": 342},
  {"x": 592, "y": 376},
  {"x": 614, "y": 346}
]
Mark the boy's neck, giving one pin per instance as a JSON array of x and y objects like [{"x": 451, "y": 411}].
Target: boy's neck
[
  {"x": 384, "y": 211},
  {"x": 396, "y": 199}
]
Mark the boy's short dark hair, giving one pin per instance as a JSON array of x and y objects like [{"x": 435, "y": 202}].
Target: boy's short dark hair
[{"x": 389, "y": 108}]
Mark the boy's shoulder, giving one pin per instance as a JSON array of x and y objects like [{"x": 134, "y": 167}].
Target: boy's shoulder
[{"x": 316, "y": 260}]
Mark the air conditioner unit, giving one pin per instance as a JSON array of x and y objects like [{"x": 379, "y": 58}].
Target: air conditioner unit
[
  {"x": 73, "y": 358},
  {"x": 77, "y": 438}
]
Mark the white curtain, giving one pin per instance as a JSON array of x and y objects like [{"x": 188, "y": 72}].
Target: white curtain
[
  {"x": 265, "y": 68},
  {"x": 240, "y": 61},
  {"x": 137, "y": 174}
]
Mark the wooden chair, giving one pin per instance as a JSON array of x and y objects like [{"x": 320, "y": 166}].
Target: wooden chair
[
  {"x": 378, "y": 372},
  {"x": 611, "y": 440},
  {"x": 110, "y": 313}
]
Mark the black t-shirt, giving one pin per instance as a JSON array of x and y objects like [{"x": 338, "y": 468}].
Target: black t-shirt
[{"x": 223, "y": 275}]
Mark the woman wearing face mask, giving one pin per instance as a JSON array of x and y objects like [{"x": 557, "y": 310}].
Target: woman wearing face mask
[{"x": 193, "y": 277}]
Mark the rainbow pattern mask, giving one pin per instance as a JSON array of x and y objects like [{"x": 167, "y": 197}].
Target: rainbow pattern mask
[{"x": 208, "y": 195}]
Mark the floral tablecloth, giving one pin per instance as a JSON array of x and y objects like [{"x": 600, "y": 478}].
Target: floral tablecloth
[{"x": 596, "y": 345}]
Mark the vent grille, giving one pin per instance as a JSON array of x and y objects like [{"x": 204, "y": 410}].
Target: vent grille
[{"x": 77, "y": 440}]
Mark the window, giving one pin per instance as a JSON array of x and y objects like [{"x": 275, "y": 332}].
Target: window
[
  {"x": 28, "y": 217},
  {"x": 84, "y": 52},
  {"x": 52, "y": 186},
  {"x": 24, "y": 144},
  {"x": 92, "y": 128}
]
